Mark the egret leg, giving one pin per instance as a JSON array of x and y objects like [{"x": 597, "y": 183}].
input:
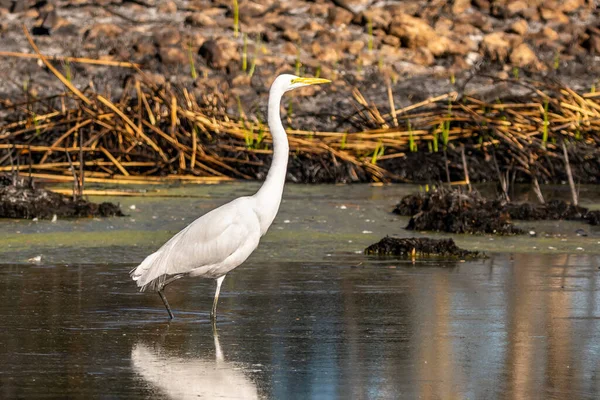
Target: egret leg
[
  {"x": 164, "y": 299},
  {"x": 213, "y": 313}
]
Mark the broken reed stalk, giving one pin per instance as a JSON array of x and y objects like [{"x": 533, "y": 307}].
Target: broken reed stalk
[
  {"x": 151, "y": 130},
  {"x": 570, "y": 174},
  {"x": 465, "y": 167},
  {"x": 537, "y": 190}
]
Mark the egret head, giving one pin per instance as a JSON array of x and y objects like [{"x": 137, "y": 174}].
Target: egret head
[{"x": 291, "y": 82}]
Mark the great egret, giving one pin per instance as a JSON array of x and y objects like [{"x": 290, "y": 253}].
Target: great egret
[{"x": 223, "y": 238}]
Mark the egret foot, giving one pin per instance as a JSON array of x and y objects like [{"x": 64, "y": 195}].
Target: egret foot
[{"x": 164, "y": 299}]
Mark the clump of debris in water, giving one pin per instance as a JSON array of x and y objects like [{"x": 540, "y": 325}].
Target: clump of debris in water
[{"x": 19, "y": 198}]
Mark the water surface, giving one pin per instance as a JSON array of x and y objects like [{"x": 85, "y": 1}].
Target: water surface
[{"x": 306, "y": 316}]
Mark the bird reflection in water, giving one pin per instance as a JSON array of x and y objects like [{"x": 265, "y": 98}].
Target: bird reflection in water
[{"x": 179, "y": 377}]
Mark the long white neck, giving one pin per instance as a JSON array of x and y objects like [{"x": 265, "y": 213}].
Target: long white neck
[{"x": 269, "y": 195}]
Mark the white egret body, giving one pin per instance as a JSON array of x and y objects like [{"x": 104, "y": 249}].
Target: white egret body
[{"x": 223, "y": 238}]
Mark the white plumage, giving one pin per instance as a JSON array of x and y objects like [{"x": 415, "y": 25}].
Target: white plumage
[{"x": 223, "y": 238}]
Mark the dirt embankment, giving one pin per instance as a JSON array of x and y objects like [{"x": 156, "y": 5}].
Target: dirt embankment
[{"x": 516, "y": 79}]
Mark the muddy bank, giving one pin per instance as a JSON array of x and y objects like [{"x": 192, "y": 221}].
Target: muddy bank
[
  {"x": 455, "y": 211},
  {"x": 420, "y": 247},
  {"x": 458, "y": 210},
  {"x": 472, "y": 67},
  {"x": 552, "y": 210},
  {"x": 24, "y": 200}
]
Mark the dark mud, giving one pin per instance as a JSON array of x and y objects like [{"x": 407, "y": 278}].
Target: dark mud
[
  {"x": 455, "y": 211},
  {"x": 413, "y": 247},
  {"x": 553, "y": 210},
  {"x": 424, "y": 166},
  {"x": 23, "y": 200},
  {"x": 461, "y": 211}
]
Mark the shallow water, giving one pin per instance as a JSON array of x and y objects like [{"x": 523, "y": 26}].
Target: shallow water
[{"x": 305, "y": 316}]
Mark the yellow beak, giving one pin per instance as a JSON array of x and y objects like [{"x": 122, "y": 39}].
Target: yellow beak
[{"x": 311, "y": 81}]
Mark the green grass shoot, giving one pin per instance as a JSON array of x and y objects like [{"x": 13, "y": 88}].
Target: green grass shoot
[
  {"x": 236, "y": 19},
  {"x": 245, "y": 52},
  {"x": 344, "y": 139},
  {"x": 36, "y": 123},
  {"x": 452, "y": 78},
  {"x": 545, "y": 124},
  {"x": 249, "y": 137},
  {"x": 379, "y": 151},
  {"x": 359, "y": 65},
  {"x": 261, "y": 135},
  {"x": 412, "y": 145},
  {"x": 68, "y": 70},
  {"x": 191, "y": 62},
  {"x": 318, "y": 72},
  {"x": 515, "y": 72},
  {"x": 370, "y": 32},
  {"x": 297, "y": 64},
  {"x": 556, "y": 64},
  {"x": 255, "y": 57}
]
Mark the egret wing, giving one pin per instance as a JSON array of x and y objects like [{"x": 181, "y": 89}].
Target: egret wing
[{"x": 207, "y": 241}]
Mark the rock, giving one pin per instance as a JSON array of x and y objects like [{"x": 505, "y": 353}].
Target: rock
[
  {"x": 413, "y": 32},
  {"x": 339, "y": 17},
  {"x": 483, "y": 5},
  {"x": 241, "y": 80},
  {"x": 63, "y": 26},
  {"x": 167, "y": 7},
  {"x": 313, "y": 26},
  {"x": 249, "y": 10},
  {"x": 556, "y": 16},
  {"x": 291, "y": 35},
  {"x": 154, "y": 78},
  {"x": 550, "y": 34},
  {"x": 218, "y": 53},
  {"x": 478, "y": 20},
  {"x": 167, "y": 36},
  {"x": 496, "y": 46},
  {"x": 460, "y": 6},
  {"x": 103, "y": 31},
  {"x": 465, "y": 29},
  {"x": 329, "y": 55},
  {"x": 593, "y": 44},
  {"x": 199, "y": 20},
  {"x": 416, "y": 33},
  {"x": 569, "y": 6},
  {"x": 391, "y": 40},
  {"x": 173, "y": 56},
  {"x": 519, "y": 27},
  {"x": 355, "y": 47},
  {"x": 516, "y": 7},
  {"x": 379, "y": 17},
  {"x": 523, "y": 56},
  {"x": 289, "y": 49},
  {"x": 423, "y": 57}
]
